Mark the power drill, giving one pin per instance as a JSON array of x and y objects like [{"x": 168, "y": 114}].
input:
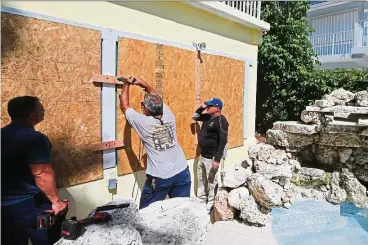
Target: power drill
[
  {"x": 72, "y": 228},
  {"x": 46, "y": 219}
]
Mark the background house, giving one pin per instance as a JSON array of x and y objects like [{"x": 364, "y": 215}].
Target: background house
[
  {"x": 51, "y": 49},
  {"x": 340, "y": 37}
]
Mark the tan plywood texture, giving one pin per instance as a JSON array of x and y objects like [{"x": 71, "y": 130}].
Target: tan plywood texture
[
  {"x": 54, "y": 62},
  {"x": 171, "y": 71},
  {"x": 223, "y": 78}
]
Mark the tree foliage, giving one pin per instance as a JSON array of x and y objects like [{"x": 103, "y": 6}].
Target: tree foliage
[{"x": 287, "y": 77}]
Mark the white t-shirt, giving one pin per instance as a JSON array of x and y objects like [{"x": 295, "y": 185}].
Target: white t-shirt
[{"x": 165, "y": 156}]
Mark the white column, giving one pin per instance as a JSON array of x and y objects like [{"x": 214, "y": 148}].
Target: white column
[{"x": 108, "y": 96}]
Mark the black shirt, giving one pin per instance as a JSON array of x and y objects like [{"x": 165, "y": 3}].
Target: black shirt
[
  {"x": 21, "y": 145},
  {"x": 213, "y": 134}
]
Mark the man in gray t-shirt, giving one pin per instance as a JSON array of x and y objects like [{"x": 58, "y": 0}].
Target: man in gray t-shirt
[{"x": 167, "y": 169}]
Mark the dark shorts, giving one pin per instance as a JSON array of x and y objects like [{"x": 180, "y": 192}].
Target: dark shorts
[
  {"x": 156, "y": 189},
  {"x": 19, "y": 221}
]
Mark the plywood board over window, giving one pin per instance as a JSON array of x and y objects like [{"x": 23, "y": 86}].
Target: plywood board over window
[
  {"x": 171, "y": 72},
  {"x": 54, "y": 62},
  {"x": 223, "y": 78}
]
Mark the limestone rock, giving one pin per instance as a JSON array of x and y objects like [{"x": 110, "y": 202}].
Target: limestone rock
[
  {"x": 360, "y": 165},
  {"x": 356, "y": 192},
  {"x": 311, "y": 193},
  {"x": 222, "y": 209},
  {"x": 339, "y": 96},
  {"x": 336, "y": 194},
  {"x": 289, "y": 195},
  {"x": 311, "y": 177},
  {"x": 274, "y": 172},
  {"x": 346, "y": 109},
  {"x": 174, "y": 221},
  {"x": 268, "y": 153},
  {"x": 362, "y": 98},
  {"x": 342, "y": 127},
  {"x": 296, "y": 127},
  {"x": 253, "y": 213},
  {"x": 260, "y": 151},
  {"x": 295, "y": 164},
  {"x": 327, "y": 155},
  {"x": 288, "y": 140},
  {"x": 235, "y": 177},
  {"x": 266, "y": 192},
  {"x": 340, "y": 139},
  {"x": 106, "y": 234},
  {"x": 236, "y": 196},
  {"x": 344, "y": 154},
  {"x": 324, "y": 103},
  {"x": 311, "y": 117}
]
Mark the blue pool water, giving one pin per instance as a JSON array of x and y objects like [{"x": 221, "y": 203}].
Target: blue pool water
[{"x": 311, "y": 222}]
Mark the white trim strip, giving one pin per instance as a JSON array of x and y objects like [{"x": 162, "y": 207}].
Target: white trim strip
[{"x": 108, "y": 96}]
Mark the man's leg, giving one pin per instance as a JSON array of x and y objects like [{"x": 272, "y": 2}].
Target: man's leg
[
  {"x": 154, "y": 189},
  {"x": 212, "y": 182},
  {"x": 13, "y": 231},
  {"x": 202, "y": 181},
  {"x": 181, "y": 185}
]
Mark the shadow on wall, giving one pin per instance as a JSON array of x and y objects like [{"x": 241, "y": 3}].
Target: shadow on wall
[
  {"x": 10, "y": 34},
  {"x": 212, "y": 23},
  {"x": 135, "y": 161},
  {"x": 64, "y": 193}
]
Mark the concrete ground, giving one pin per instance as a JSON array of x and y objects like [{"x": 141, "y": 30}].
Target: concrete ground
[{"x": 235, "y": 233}]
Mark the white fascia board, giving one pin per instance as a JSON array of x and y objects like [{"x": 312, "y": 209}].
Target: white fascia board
[{"x": 232, "y": 14}]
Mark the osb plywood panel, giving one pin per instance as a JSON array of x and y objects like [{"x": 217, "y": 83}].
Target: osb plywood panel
[
  {"x": 135, "y": 58},
  {"x": 171, "y": 72},
  {"x": 223, "y": 78},
  {"x": 54, "y": 62},
  {"x": 179, "y": 93}
]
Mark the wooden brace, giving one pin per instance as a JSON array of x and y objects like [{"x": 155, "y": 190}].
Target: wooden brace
[
  {"x": 107, "y": 145},
  {"x": 105, "y": 79}
]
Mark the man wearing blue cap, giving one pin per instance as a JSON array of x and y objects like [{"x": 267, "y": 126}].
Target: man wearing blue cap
[{"x": 212, "y": 141}]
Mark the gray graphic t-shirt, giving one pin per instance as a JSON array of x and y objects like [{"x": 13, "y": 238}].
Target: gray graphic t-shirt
[{"x": 165, "y": 156}]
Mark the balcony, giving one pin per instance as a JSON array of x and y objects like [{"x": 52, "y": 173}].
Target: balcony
[
  {"x": 253, "y": 8},
  {"x": 247, "y": 13},
  {"x": 350, "y": 44}
]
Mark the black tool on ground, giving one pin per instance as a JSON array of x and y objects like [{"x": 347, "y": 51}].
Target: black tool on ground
[{"x": 72, "y": 229}]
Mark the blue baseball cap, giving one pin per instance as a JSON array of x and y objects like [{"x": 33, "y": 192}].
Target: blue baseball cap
[{"x": 214, "y": 102}]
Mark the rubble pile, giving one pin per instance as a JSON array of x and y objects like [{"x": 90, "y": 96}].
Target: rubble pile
[{"x": 324, "y": 156}]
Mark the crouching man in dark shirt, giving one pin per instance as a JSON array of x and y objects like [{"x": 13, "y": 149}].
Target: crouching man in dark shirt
[
  {"x": 27, "y": 179},
  {"x": 212, "y": 141}
]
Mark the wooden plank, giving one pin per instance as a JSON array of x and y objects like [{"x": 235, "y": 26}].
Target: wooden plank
[
  {"x": 107, "y": 145},
  {"x": 54, "y": 62},
  {"x": 223, "y": 78},
  {"x": 98, "y": 78}
]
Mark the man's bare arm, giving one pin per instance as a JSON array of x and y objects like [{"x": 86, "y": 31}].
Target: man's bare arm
[
  {"x": 45, "y": 180},
  {"x": 124, "y": 97},
  {"x": 141, "y": 83}
]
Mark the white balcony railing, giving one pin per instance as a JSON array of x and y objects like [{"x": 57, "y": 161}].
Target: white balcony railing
[
  {"x": 341, "y": 42},
  {"x": 253, "y": 8}
]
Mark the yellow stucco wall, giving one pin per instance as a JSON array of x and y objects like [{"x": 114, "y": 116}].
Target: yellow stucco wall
[{"x": 171, "y": 21}]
